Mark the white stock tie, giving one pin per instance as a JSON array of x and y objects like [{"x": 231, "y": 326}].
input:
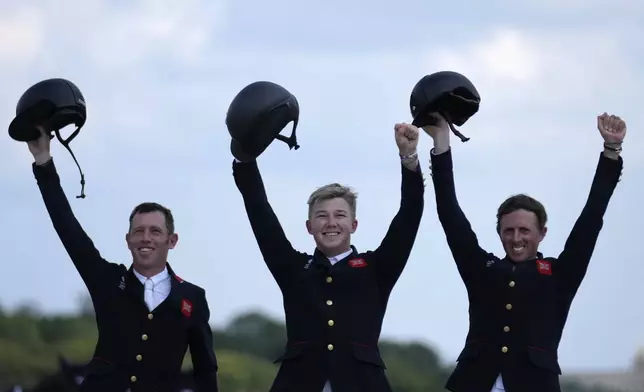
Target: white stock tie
[{"x": 149, "y": 293}]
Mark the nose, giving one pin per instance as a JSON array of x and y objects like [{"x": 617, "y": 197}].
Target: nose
[
  {"x": 147, "y": 237},
  {"x": 516, "y": 236}
]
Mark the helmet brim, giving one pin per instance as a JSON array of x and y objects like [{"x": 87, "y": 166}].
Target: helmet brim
[{"x": 21, "y": 130}]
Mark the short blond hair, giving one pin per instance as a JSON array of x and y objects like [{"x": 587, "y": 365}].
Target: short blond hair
[{"x": 333, "y": 191}]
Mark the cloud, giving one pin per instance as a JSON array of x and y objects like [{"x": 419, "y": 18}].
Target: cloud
[
  {"x": 158, "y": 78},
  {"x": 579, "y": 5},
  {"x": 22, "y": 33}
]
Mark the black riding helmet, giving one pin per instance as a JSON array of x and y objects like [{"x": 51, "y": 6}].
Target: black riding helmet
[
  {"x": 53, "y": 104},
  {"x": 448, "y": 93},
  {"x": 257, "y": 115}
]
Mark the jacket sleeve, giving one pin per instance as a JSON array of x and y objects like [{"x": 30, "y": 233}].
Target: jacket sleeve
[
  {"x": 202, "y": 351},
  {"x": 572, "y": 264},
  {"x": 461, "y": 239},
  {"x": 277, "y": 251},
  {"x": 393, "y": 253},
  {"x": 80, "y": 248}
]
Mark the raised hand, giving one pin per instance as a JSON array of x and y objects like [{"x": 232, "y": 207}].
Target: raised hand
[
  {"x": 40, "y": 148},
  {"x": 612, "y": 128},
  {"x": 406, "y": 138}
]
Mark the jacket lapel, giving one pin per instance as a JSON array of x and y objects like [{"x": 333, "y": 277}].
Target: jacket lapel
[
  {"x": 134, "y": 288},
  {"x": 173, "y": 302},
  {"x": 342, "y": 265},
  {"x": 321, "y": 262}
]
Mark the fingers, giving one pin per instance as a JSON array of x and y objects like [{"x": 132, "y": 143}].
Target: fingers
[
  {"x": 404, "y": 127},
  {"x": 621, "y": 126},
  {"x": 411, "y": 133},
  {"x": 610, "y": 123},
  {"x": 43, "y": 131}
]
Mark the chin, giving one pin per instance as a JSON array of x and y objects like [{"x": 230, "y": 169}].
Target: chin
[
  {"x": 146, "y": 263},
  {"x": 518, "y": 259}
]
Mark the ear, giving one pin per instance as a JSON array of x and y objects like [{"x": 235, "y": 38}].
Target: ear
[
  {"x": 127, "y": 240},
  {"x": 308, "y": 226},
  {"x": 354, "y": 226},
  {"x": 543, "y": 233},
  {"x": 172, "y": 241}
]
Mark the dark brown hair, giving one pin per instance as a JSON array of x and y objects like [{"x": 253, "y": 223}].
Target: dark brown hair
[
  {"x": 147, "y": 207},
  {"x": 522, "y": 202}
]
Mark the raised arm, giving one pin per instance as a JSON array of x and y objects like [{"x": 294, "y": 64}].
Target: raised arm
[
  {"x": 573, "y": 261},
  {"x": 80, "y": 248},
  {"x": 276, "y": 249},
  {"x": 202, "y": 351},
  {"x": 394, "y": 250},
  {"x": 461, "y": 239}
]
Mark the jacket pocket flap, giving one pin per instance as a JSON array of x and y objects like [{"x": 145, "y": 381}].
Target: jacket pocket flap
[
  {"x": 368, "y": 355},
  {"x": 544, "y": 359}
]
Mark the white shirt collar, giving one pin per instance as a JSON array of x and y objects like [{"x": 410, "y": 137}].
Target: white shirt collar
[
  {"x": 161, "y": 276},
  {"x": 341, "y": 256}
]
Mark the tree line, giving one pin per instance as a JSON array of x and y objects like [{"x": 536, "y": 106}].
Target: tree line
[{"x": 31, "y": 344}]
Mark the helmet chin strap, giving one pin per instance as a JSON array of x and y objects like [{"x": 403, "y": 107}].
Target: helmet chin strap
[
  {"x": 451, "y": 126},
  {"x": 65, "y": 144},
  {"x": 291, "y": 141}
]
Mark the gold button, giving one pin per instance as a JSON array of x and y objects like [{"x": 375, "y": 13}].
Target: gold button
[
  {"x": 330, "y": 347},
  {"x": 512, "y": 284},
  {"x": 329, "y": 279},
  {"x": 506, "y": 329},
  {"x": 133, "y": 378},
  {"x": 331, "y": 323},
  {"x": 504, "y": 349},
  {"x": 139, "y": 357},
  {"x": 150, "y": 316},
  {"x": 144, "y": 337},
  {"x": 329, "y": 302},
  {"x": 508, "y": 306}
]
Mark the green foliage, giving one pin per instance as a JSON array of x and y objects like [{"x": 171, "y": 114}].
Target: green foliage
[{"x": 30, "y": 345}]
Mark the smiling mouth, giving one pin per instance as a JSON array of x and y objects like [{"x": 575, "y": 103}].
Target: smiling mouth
[
  {"x": 145, "y": 250},
  {"x": 331, "y": 234},
  {"x": 518, "y": 249}
]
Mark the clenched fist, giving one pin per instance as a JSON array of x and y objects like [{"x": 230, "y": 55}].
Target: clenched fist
[
  {"x": 612, "y": 128},
  {"x": 406, "y": 138}
]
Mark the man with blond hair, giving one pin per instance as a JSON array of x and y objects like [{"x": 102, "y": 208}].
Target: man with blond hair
[{"x": 335, "y": 299}]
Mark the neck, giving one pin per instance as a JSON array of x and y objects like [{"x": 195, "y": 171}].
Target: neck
[{"x": 148, "y": 272}]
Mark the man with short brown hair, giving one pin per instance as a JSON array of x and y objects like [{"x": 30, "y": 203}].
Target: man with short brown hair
[
  {"x": 147, "y": 317},
  {"x": 519, "y": 304}
]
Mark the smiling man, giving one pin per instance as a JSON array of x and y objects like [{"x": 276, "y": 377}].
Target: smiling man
[
  {"x": 335, "y": 299},
  {"x": 147, "y": 317},
  {"x": 519, "y": 303}
]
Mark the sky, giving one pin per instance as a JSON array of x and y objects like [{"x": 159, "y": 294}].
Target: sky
[{"x": 158, "y": 77}]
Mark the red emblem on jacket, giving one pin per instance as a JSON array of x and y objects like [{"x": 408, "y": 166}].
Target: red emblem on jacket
[
  {"x": 544, "y": 267},
  {"x": 186, "y": 307},
  {"x": 357, "y": 263}
]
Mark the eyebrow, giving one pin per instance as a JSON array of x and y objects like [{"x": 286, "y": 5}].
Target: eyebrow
[
  {"x": 150, "y": 226},
  {"x": 335, "y": 211}
]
